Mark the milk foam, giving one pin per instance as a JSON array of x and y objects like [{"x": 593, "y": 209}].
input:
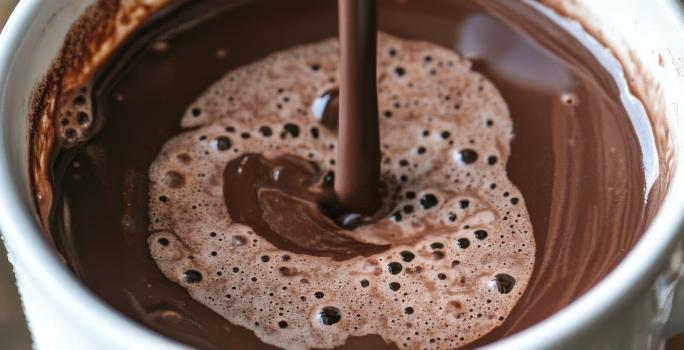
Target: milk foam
[{"x": 462, "y": 249}]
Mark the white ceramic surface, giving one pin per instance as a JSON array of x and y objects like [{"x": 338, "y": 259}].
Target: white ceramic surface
[{"x": 635, "y": 307}]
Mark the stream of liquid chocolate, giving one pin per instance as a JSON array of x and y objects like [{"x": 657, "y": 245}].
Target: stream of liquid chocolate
[
  {"x": 285, "y": 209},
  {"x": 358, "y": 155},
  {"x": 576, "y": 156}
]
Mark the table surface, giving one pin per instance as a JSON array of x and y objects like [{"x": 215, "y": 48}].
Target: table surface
[{"x": 13, "y": 332}]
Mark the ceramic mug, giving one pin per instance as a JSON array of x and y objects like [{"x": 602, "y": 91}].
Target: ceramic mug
[{"x": 638, "y": 305}]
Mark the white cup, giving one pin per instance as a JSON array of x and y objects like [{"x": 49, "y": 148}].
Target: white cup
[{"x": 638, "y": 305}]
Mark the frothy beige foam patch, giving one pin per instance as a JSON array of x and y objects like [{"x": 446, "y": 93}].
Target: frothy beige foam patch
[{"x": 462, "y": 249}]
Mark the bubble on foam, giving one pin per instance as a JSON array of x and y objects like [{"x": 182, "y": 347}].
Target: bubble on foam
[
  {"x": 442, "y": 284},
  {"x": 75, "y": 124}
]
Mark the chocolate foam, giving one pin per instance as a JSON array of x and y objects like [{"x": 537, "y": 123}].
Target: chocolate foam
[{"x": 461, "y": 249}]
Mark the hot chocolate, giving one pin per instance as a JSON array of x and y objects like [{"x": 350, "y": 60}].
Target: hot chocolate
[
  {"x": 572, "y": 131},
  {"x": 442, "y": 264}
]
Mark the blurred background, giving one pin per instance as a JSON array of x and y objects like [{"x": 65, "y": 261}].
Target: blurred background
[{"x": 13, "y": 332}]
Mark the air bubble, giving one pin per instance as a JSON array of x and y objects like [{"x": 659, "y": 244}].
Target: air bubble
[
  {"x": 265, "y": 131},
  {"x": 70, "y": 133},
  {"x": 222, "y": 143},
  {"x": 407, "y": 256},
  {"x": 173, "y": 179},
  {"x": 394, "y": 286},
  {"x": 463, "y": 243},
  {"x": 291, "y": 129},
  {"x": 325, "y": 108},
  {"x": 481, "y": 234},
  {"x": 394, "y": 268},
  {"x": 428, "y": 201},
  {"x": 82, "y": 118},
  {"x": 437, "y": 245},
  {"x": 329, "y": 179},
  {"x": 466, "y": 156},
  {"x": 504, "y": 283},
  {"x": 80, "y": 100},
  {"x": 329, "y": 315},
  {"x": 192, "y": 276}
]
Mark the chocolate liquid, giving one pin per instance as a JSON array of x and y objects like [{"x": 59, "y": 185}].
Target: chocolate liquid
[
  {"x": 576, "y": 156},
  {"x": 358, "y": 157}
]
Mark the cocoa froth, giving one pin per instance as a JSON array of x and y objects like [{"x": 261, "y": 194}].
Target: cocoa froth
[{"x": 459, "y": 245}]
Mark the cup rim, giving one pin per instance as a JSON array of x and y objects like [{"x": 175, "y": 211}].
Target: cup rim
[{"x": 32, "y": 253}]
